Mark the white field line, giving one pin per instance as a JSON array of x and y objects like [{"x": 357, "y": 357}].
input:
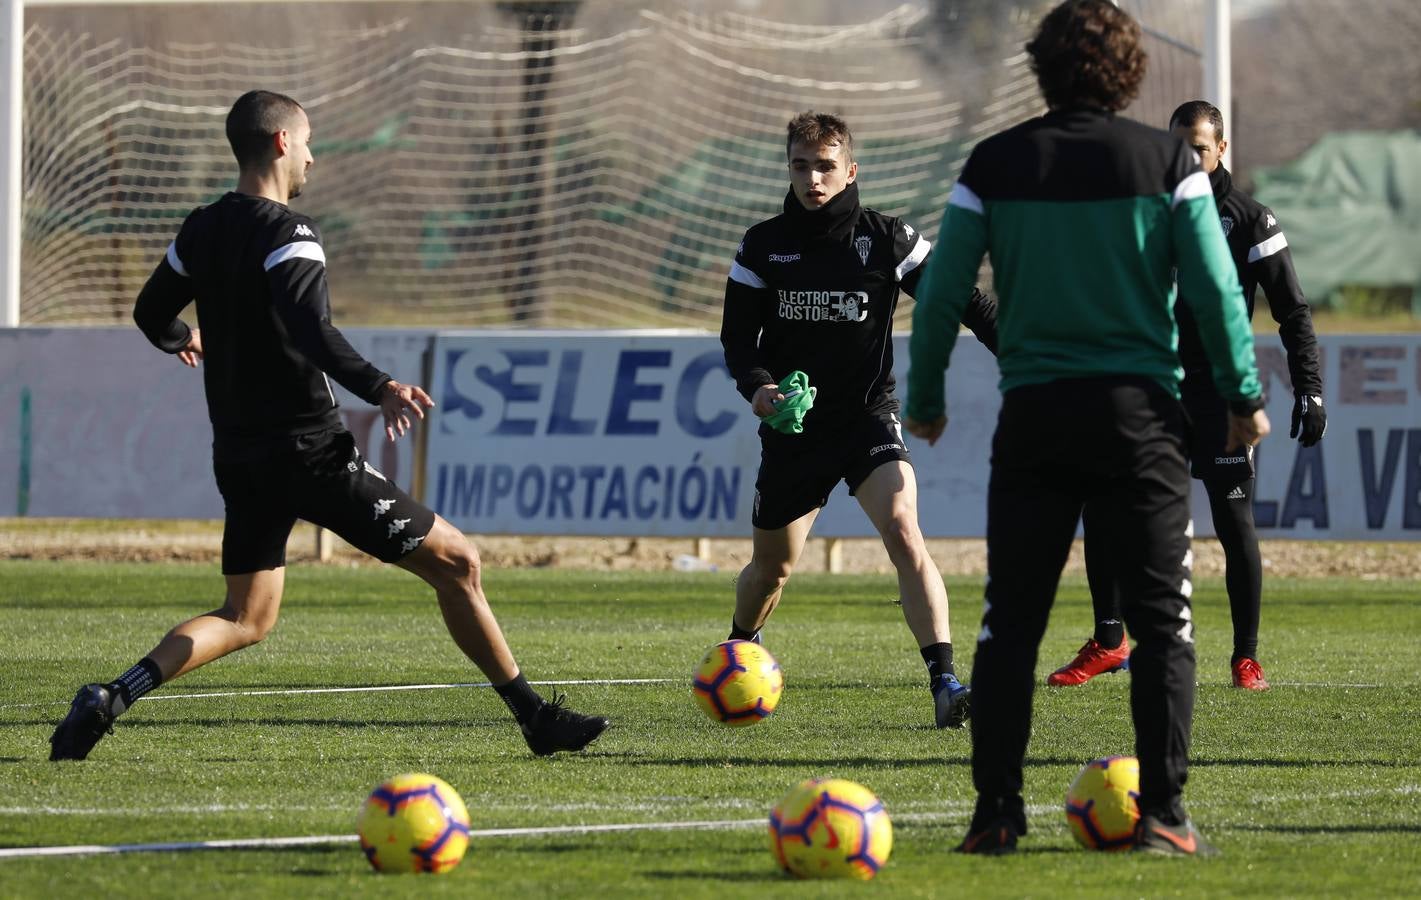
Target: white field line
[
  {"x": 367, "y": 689},
  {"x": 371, "y": 689},
  {"x": 909, "y": 811},
  {"x": 271, "y": 843},
  {"x": 1329, "y": 684}
]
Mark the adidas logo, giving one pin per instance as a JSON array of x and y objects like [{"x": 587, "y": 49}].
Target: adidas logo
[{"x": 1237, "y": 494}]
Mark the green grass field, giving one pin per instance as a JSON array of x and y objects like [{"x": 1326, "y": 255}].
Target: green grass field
[{"x": 1312, "y": 789}]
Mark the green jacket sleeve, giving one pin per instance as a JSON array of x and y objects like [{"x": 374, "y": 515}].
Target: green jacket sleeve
[
  {"x": 946, "y": 289},
  {"x": 1207, "y": 277}
]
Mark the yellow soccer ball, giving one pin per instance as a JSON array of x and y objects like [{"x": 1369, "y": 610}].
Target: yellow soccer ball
[
  {"x": 414, "y": 823},
  {"x": 1103, "y": 803},
  {"x": 831, "y": 828},
  {"x": 738, "y": 683}
]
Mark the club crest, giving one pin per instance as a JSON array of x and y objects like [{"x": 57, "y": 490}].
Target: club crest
[{"x": 863, "y": 245}]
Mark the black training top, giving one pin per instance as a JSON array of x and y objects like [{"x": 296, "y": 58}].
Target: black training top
[
  {"x": 1261, "y": 256},
  {"x": 258, "y": 273},
  {"x": 815, "y": 291}
]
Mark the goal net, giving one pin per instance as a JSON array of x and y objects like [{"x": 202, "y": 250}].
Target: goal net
[{"x": 567, "y": 164}]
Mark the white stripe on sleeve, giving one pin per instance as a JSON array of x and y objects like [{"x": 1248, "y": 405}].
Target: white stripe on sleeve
[
  {"x": 174, "y": 261},
  {"x": 1267, "y": 248},
  {"x": 742, "y": 275},
  {"x": 1196, "y": 185},
  {"x": 914, "y": 258},
  {"x": 295, "y": 250},
  {"x": 965, "y": 197}
]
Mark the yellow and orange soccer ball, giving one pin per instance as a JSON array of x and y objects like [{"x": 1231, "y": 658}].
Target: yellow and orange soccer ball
[
  {"x": 831, "y": 828},
  {"x": 414, "y": 823},
  {"x": 738, "y": 683},
  {"x": 1103, "y": 803}
]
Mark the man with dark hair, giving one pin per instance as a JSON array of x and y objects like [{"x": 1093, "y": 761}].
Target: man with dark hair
[
  {"x": 813, "y": 290},
  {"x": 267, "y": 348},
  {"x": 1085, "y": 216},
  {"x": 1261, "y": 257}
]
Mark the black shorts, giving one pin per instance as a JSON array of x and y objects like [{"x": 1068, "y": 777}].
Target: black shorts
[
  {"x": 1209, "y": 460},
  {"x": 798, "y": 471},
  {"x": 324, "y": 480}
]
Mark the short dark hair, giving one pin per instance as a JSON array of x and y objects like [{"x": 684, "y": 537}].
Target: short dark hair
[
  {"x": 815, "y": 128},
  {"x": 254, "y": 118},
  {"x": 1088, "y": 53},
  {"x": 1189, "y": 114}
]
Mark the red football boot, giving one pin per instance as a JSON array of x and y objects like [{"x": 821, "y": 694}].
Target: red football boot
[
  {"x": 1248, "y": 674},
  {"x": 1092, "y": 660}
]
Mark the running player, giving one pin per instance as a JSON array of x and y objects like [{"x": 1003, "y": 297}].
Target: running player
[{"x": 257, "y": 270}]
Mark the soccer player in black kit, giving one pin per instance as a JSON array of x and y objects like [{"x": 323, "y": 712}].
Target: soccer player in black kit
[
  {"x": 814, "y": 290},
  {"x": 1261, "y": 256},
  {"x": 267, "y": 347}
]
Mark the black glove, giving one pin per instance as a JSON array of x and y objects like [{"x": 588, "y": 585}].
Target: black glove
[{"x": 1309, "y": 419}]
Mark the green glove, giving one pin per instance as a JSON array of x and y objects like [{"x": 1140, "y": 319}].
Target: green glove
[{"x": 788, "y": 417}]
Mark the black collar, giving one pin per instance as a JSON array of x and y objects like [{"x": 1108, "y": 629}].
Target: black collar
[
  {"x": 1222, "y": 183},
  {"x": 834, "y": 221}
]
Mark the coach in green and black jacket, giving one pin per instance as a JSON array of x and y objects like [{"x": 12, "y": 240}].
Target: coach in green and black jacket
[{"x": 1085, "y": 216}]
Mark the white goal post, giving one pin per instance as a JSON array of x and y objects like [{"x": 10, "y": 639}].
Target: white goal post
[{"x": 585, "y": 199}]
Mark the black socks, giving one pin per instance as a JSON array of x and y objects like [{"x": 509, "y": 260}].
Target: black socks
[
  {"x": 740, "y": 634},
  {"x": 520, "y": 698},
  {"x": 939, "y": 660},
  {"x": 137, "y": 681},
  {"x": 1109, "y": 633}
]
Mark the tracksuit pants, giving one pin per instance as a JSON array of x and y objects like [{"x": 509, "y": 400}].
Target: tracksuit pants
[{"x": 1117, "y": 442}]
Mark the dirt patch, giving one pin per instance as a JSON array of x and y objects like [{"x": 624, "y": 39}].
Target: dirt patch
[{"x": 201, "y": 541}]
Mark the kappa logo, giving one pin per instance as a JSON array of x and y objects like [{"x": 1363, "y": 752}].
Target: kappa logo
[
  {"x": 1228, "y": 223},
  {"x": 304, "y": 231},
  {"x": 1269, "y": 221},
  {"x": 396, "y": 526},
  {"x": 371, "y": 469},
  {"x": 382, "y": 507},
  {"x": 864, "y": 245},
  {"x": 410, "y": 543},
  {"x": 784, "y": 257}
]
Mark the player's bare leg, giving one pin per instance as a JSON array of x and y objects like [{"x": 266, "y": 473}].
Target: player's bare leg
[
  {"x": 246, "y": 617},
  {"x": 889, "y": 496},
  {"x": 450, "y": 564},
  {"x": 773, "y": 556}
]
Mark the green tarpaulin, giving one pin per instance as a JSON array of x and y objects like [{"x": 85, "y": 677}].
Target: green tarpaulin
[{"x": 1351, "y": 208}]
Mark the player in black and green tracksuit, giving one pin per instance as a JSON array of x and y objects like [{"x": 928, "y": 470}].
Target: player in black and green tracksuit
[{"x": 1085, "y": 216}]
